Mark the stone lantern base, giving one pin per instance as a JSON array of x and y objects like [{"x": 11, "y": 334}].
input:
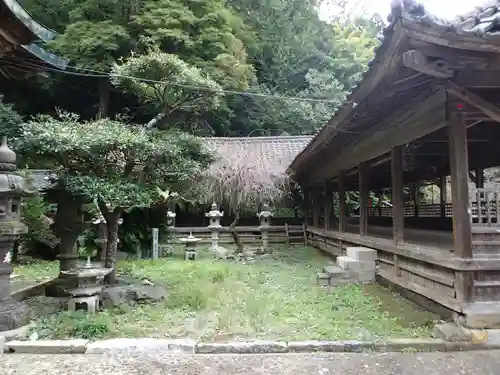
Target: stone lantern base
[{"x": 13, "y": 314}]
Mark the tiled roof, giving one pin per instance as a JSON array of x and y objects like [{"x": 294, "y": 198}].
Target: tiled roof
[
  {"x": 483, "y": 21},
  {"x": 267, "y": 153}
]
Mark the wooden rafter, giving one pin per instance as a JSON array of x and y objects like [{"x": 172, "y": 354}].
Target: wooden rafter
[{"x": 473, "y": 99}]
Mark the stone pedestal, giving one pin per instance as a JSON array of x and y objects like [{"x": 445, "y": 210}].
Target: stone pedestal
[{"x": 13, "y": 314}]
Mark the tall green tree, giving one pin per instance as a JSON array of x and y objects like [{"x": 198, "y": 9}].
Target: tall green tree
[
  {"x": 297, "y": 54},
  {"x": 117, "y": 166},
  {"x": 168, "y": 83}
]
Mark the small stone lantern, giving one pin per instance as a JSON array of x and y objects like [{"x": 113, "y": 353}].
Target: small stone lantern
[
  {"x": 265, "y": 223},
  {"x": 214, "y": 225},
  {"x": 190, "y": 251},
  {"x": 13, "y": 314},
  {"x": 169, "y": 249}
]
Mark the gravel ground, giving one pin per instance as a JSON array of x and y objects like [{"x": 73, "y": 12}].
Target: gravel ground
[{"x": 470, "y": 363}]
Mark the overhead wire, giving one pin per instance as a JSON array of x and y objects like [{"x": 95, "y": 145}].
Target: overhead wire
[{"x": 92, "y": 73}]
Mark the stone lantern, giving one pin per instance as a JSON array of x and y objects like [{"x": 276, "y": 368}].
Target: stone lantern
[
  {"x": 214, "y": 224},
  {"x": 169, "y": 249},
  {"x": 13, "y": 314},
  {"x": 190, "y": 251},
  {"x": 265, "y": 223}
]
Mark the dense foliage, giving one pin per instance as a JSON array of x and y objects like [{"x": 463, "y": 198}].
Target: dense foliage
[
  {"x": 275, "y": 48},
  {"x": 115, "y": 165},
  {"x": 180, "y": 67}
]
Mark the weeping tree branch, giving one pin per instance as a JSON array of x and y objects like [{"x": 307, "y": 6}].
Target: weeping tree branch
[{"x": 241, "y": 178}]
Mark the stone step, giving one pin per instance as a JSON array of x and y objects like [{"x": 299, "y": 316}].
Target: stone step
[
  {"x": 362, "y": 254},
  {"x": 332, "y": 270},
  {"x": 323, "y": 279},
  {"x": 347, "y": 263}
]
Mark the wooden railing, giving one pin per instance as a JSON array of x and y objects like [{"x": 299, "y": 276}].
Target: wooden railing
[
  {"x": 485, "y": 207},
  {"x": 423, "y": 210}
]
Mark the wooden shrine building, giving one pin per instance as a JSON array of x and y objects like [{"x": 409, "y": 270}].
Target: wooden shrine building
[
  {"x": 20, "y": 53},
  {"x": 426, "y": 110}
]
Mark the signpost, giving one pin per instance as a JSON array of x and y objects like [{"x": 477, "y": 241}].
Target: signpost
[{"x": 155, "y": 243}]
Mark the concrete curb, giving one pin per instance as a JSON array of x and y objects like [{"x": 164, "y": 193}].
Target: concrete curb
[
  {"x": 186, "y": 346},
  {"x": 30, "y": 290}
]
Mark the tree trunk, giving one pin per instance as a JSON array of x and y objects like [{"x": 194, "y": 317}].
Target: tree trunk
[
  {"x": 155, "y": 121},
  {"x": 234, "y": 234},
  {"x": 69, "y": 225},
  {"x": 104, "y": 94},
  {"x": 112, "y": 218},
  {"x": 15, "y": 251}
]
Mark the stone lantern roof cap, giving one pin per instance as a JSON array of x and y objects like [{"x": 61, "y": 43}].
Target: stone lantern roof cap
[{"x": 10, "y": 182}]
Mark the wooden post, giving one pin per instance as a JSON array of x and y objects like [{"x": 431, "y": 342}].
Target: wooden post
[
  {"x": 315, "y": 207},
  {"x": 462, "y": 227},
  {"x": 415, "y": 191},
  {"x": 306, "y": 207},
  {"x": 397, "y": 195},
  {"x": 364, "y": 174},
  {"x": 442, "y": 195},
  {"x": 341, "y": 189},
  {"x": 479, "y": 177},
  {"x": 328, "y": 205}
]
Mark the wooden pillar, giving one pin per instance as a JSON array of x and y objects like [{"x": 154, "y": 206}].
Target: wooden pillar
[
  {"x": 415, "y": 192},
  {"x": 364, "y": 174},
  {"x": 341, "y": 189},
  {"x": 328, "y": 204},
  {"x": 460, "y": 184},
  {"x": 307, "y": 207},
  {"x": 479, "y": 177},
  {"x": 442, "y": 195},
  {"x": 315, "y": 207},
  {"x": 397, "y": 194},
  {"x": 462, "y": 227}
]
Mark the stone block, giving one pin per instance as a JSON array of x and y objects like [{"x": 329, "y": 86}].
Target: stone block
[
  {"x": 364, "y": 276},
  {"x": 350, "y": 264},
  {"x": 362, "y": 254},
  {"x": 481, "y": 315},
  {"x": 47, "y": 347},
  {"x": 452, "y": 332},
  {"x": 251, "y": 347},
  {"x": 332, "y": 270},
  {"x": 315, "y": 346},
  {"x": 129, "y": 346},
  {"x": 323, "y": 279}
]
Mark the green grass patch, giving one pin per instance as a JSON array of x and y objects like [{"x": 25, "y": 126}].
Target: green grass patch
[
  {"x": 36, "y": 271},
  {"x": 272, "y": 298}
]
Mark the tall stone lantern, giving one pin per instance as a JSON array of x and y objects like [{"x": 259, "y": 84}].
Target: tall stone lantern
[
  {"x": 265, "y": 223},
  {"x": 214, "y": 224},
  {"x": 13, "y": 314},
  {"x": 169, "y": 248}
]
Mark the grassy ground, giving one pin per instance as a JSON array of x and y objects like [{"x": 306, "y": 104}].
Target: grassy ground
[
  {"x": 36, "y": 271},
  {"x": 273, "y": 298}
]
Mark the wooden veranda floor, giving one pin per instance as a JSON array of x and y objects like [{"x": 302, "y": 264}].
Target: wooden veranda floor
[{"x": 442, "y": 240}]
